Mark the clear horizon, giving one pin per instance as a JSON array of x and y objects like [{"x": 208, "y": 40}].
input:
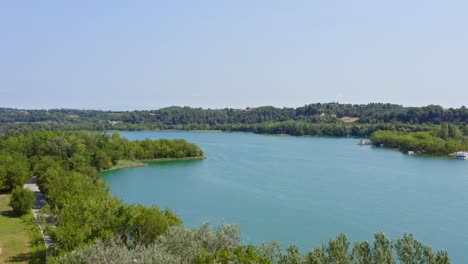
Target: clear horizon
[{"x": 118, "y": 55}]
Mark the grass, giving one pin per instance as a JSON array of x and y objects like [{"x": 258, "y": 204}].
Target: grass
[
  {"x": 20, "y": 238},
  {"x": 174, "y": 159},
  {"x": 121, "y": 164}
]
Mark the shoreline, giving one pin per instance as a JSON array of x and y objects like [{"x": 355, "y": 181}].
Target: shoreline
[
  {"x": 168, "y": 130},
  {"x": 123, "y": 164},
  {"x": 230, "y": 131},
  {"x": 450, "y": 156}
]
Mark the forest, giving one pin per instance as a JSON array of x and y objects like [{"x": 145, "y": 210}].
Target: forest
[
  {"x": 328, "y": 119},
  {"x": 186, "y": 117}
]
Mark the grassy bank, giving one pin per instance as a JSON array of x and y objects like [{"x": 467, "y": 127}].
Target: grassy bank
[
  {"x": 122, "y": 164},
  {"x": 20, "y": 238},
  {"x": 173, "y": 159}
]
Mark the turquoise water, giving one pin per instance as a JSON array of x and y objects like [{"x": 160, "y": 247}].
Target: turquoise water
[{"x": 305, "y": 190}]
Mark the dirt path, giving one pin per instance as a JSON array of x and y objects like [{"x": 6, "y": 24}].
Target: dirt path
[{"x": 38, "y": 205}]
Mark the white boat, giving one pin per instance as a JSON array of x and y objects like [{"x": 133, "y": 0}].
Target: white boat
[{"x": 463, "y": 155}]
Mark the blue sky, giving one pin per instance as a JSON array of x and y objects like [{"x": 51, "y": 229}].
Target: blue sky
[{"x": 215, "y": 54}]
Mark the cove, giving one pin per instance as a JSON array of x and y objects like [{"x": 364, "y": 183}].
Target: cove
[{"x": 305, "y": 190}]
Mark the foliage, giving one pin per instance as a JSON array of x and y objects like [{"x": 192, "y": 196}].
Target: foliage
[
  {"x": 205, "y": 245},
  {"x": 444, "y": 140},
  {"x": 143, "y": 225},
  {"x": 67, "y": 165},
  {"x": 329, "y": 119},
  {"x": 22, "y": 200},
  {"x": 178, "y": 245},
  {"x": 14, "y": 170},
  {"x": 318, "y": 112}
]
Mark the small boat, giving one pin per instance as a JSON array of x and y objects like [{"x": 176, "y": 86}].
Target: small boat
[
  {"x": 410, "y": 152},
  {"x": 462, "y": 155},
  {"x": 363, "y": 142}
]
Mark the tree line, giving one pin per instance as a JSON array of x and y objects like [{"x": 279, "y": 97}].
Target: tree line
[
  {"x": 222, "y": 245},
  {"x": 312, "y": 113}
]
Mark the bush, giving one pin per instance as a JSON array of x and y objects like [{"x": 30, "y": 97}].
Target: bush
[{"x": 22, "y": 200}]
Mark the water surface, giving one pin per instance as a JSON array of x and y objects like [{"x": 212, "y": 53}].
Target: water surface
[{"x": 305, "y": 190}]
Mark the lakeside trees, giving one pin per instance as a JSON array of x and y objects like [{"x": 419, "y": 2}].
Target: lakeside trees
[
  {"x": 222, "y": 245},
  {"x": 443, "y": 140},
  {"x": 329, "y": 119},
  {"x": 67, "y": 165}
]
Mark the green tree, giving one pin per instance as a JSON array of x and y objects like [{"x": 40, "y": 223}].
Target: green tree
[
  {"x": 22, "y": 200},
  {"x": 361, "y": 253},
  {"x": 143, "y": 225},
  {"x": 465, "y": 131},
  {"x": 411, "y": 251},
  {"x": 317, "y": 256},
  {"x": 14, "y": 171},
  {"x": 292, "y": 256},
  {"x": 441, "y": 257},
  {"x": 382, "y": 252},
  {"x": 338, "y": 250}
]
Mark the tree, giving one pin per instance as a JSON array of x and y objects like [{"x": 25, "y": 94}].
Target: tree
[
  {"x": 22, "y": 200},
  {"x": 465, "y": 131},
  {"x": 317, "y": 256},
  {"x": 143, "y": 225},
  {"x": 442, "y": 258},
  {"x": 14, "y": 171},
  {"x": 292, "y": 256},
  {"x": 338, "y": 250},
  {"x": 411, "y": 251},
  {"x": 382, "y": 251},
  {"x": 361, "y": 253}
]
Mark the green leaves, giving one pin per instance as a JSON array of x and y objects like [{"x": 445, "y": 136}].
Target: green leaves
[
  {"x": 22, "y": 200},
  {"x": 143, "y": 225},
  {"x": 425, "y": 142},
  {"x": 14, "y": 171}
]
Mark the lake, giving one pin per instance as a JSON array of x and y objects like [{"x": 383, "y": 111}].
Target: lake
[{"x": 305, "y": 190}]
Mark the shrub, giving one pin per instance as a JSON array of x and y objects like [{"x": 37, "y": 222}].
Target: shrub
[{"x": 22, "y": 200}]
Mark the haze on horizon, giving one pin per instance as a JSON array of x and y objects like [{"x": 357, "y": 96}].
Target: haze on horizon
[{"x": 124, "y": 55}]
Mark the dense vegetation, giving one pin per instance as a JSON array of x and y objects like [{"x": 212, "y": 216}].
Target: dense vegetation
[
  {"x": 330, "y": 119},
  {"x": 53, "y": 153},
  {"x": 314, "y": 113},
  {"x": 444, "y": 139},
  {"x": 22, "y": 200},
  {"x": 67, "y": 165},
  {"x": 204, "y": 245}
]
